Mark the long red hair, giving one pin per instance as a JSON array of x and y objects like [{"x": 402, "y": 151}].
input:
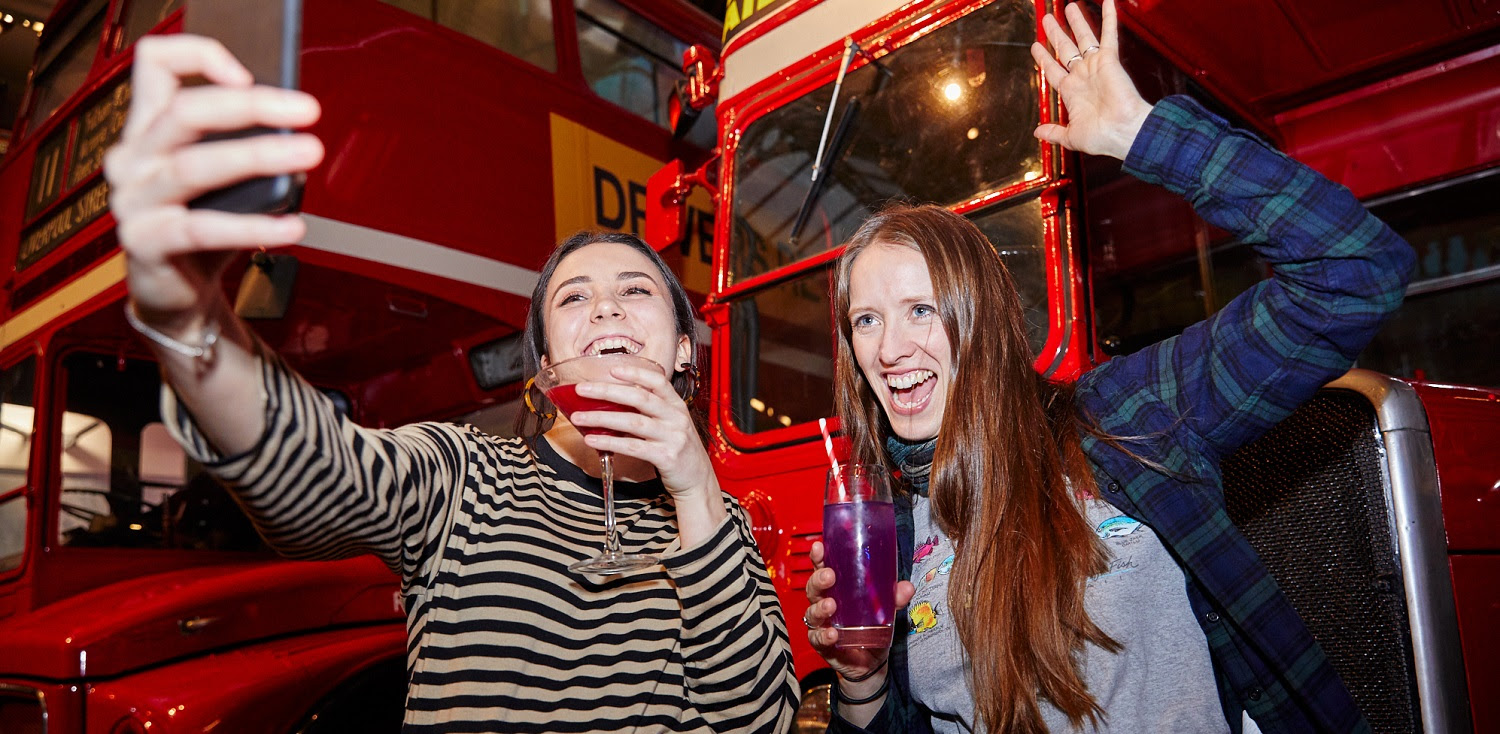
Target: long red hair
[{"x": 1004, "y": 474}]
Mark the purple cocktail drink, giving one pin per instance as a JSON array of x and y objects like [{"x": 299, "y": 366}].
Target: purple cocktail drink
[{"x": 859, "y": 541}]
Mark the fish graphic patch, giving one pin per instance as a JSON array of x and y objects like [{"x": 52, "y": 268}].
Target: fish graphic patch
[
  {"x": 925, "y": 549},
  {"x": 942, "y": 568},
  {"x": 923, "y": 617},
  {"x": 1118, "y": 526}
]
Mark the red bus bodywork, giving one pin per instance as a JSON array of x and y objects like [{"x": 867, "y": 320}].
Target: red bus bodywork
[
  {"x": 427, "y": 224},
  {"x": 1389, "y": 101}
]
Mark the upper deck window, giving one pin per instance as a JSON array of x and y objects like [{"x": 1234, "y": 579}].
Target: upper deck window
[
  {"x": 143, "y": 15},
  {"x": 1454, "y": 298},
  {"x": 627, "y": 59},
  {"x": 64, "y": 60},
  {"x": 522, "y": 28},
  {"x": 942, "y": 119}
]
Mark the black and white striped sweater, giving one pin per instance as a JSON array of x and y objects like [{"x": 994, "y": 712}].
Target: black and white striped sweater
[{"x": 500, "y": 635}]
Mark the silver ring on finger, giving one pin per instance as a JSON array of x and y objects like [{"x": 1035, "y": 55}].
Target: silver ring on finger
[
  {"x": 1069, "y": 65},
  {"x": 1085, "y": 52},
  {"x": 807, "y": 621}
]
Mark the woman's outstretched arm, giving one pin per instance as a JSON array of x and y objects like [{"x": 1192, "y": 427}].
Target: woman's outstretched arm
[
  {"x": 1336, "y": 271},
  {"x": 316, "y": 485},
  {"x": 175, "y": 256}
]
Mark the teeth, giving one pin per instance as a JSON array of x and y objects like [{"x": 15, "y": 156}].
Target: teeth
[
  {"x": 614, "y": 342},
  {"x": 915, "y": 377}
]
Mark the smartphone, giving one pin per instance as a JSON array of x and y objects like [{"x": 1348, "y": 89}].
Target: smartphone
[{"x": 266, "y": 36}]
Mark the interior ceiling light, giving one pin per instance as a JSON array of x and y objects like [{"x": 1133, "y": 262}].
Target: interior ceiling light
[{"x": 9, "y": 18}]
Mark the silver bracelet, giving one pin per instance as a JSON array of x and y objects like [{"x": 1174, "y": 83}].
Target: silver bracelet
[{"x": 202, "y": 353}]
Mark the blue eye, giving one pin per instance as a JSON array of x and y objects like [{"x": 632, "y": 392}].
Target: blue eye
[
  {"x": 922, "y": 310},
  {"x": 861, "y": 320}
]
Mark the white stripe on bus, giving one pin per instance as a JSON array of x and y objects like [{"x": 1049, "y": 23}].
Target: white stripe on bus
[
  {"x": 822, "y": 25},
  {"x": 328, "y": 235},
  {"x": 364, "y": 243}
]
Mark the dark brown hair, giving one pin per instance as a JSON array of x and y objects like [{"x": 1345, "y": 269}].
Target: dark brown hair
[
  {"x": 1008, "y": 476},
  {"x": 535, "y": 339}
]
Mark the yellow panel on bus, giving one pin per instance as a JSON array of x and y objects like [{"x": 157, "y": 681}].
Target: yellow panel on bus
[{"x": 600, "y": 183}]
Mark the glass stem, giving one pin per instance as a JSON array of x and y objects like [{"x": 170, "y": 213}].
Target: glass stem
[{"x": 611, "y": 540}]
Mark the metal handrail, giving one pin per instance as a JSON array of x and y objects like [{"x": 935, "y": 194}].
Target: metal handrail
[{"x": 1416, "y": 517}]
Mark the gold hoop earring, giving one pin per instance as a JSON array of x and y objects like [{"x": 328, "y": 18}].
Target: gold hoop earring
[
  {"x": 526, "y": 393},
  {"x": 691, "y": 370}
]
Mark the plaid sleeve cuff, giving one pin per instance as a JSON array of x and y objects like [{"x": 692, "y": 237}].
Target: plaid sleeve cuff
[{"x": 1174, "y": 143}]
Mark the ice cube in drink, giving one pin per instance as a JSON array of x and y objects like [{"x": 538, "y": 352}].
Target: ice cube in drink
[{"x": 859, "y": 540}]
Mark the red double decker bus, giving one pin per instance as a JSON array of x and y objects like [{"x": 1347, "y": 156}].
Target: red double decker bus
[
  {"x": 134, "y": 596},
  {"x": 1373, "y": 506}
]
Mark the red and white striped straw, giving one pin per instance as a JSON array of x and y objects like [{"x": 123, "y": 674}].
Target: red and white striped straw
[{"x": 832, "y": 460}]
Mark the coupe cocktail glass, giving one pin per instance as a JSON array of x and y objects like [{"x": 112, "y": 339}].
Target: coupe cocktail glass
[{"x": 560, "y": 383}]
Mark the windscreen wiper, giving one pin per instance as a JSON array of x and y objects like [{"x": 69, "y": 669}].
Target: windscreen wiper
[
  {"x": 827, "y": 155},
  {"x": 824, "y": 162}
]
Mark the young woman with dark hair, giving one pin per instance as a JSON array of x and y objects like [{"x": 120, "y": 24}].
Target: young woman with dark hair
[
  {"x": 502, "y": 636},
  {"x": 1069, "y": 561},
  {"x": 534, "y": 348}
]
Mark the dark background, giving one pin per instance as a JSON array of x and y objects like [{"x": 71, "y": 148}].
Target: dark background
[{"x": 712, "y": 7}]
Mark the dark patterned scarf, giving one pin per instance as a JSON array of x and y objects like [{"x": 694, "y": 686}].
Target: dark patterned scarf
[{"x": 914, "y": 459}]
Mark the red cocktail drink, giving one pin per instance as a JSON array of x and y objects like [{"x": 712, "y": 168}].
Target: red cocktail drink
[
  {"x": 559, "y": 381},
  {"x": 567, "y": 400}
]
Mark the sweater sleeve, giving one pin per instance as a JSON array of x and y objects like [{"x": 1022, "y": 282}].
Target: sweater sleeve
[
  {"x": 319, "y": 487},
  {"x": 735, "y": 647}
]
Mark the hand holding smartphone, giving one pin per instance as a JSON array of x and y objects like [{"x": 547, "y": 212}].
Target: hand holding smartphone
[{"x": 266, "y": 36}]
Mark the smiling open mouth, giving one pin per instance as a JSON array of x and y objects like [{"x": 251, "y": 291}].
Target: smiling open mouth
[
  {"x": 613, "y": 345},
  {"x": 911, "y": 390}
]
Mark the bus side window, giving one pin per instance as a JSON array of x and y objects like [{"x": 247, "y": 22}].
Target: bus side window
[
  {"x": 63, "y": 61},
  {"x": 1444, "y": 330},
  {"x": 163, "y": 469},
  {"x": 1156, "y": 267},
  {"x": 12, "y": 529},
  {"x": 143, "y": 15},
  {"x": 87, "y": 449},
  {"x": 17, "y": 416},
  {"x": 627, "y": 59},
  {"x": 522, "y": 28}
]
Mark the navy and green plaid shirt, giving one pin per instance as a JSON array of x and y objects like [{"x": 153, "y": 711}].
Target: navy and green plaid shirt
[{"x": 1337, "y": 272}]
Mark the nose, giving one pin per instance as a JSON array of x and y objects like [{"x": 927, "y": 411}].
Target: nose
[
  {"x": 895, "y": 344},
  {"x": 605, "y": 306}
]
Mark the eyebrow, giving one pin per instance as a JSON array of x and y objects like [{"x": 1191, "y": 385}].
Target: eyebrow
[
  {"x": 912, "y": 301},
  {"x": 624, "y": 275}
]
